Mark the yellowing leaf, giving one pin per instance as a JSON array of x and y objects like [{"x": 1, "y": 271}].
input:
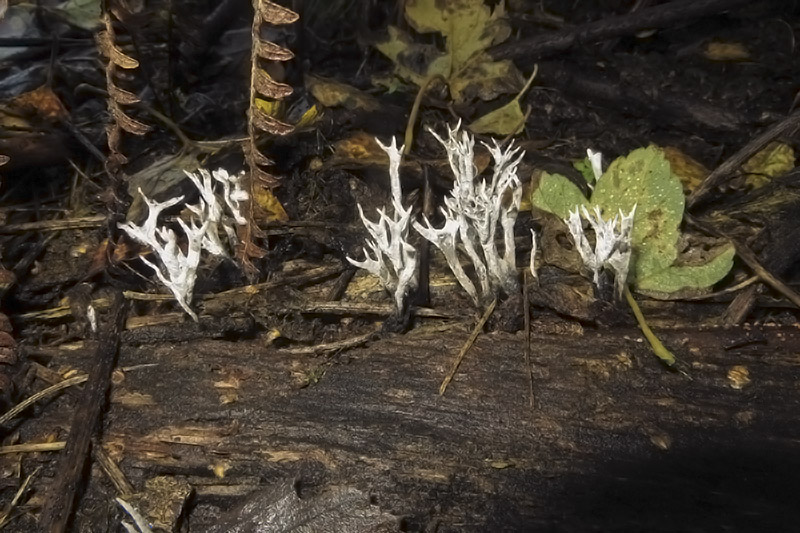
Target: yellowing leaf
[
  {"x": 469, "y": 27},
  {"x": 506, "y": 120},
  {"x": 332, "y": 93},
  {"x": 719, "y": 51},
  {"x": 273, "y": 108},
  {"x": 688, "y": 170},
  {"x": 773, "y": 160},
  {"x": 272, "y": 209},
  {"x": 360, "y": 147}
]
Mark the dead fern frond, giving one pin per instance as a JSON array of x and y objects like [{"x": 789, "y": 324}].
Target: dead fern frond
[
  {"x": 262, "y": 87},
  {"x": 117, "y": 96}
]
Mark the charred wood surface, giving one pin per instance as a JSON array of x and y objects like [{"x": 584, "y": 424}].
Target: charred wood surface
[{"x": 615, "y": 441}]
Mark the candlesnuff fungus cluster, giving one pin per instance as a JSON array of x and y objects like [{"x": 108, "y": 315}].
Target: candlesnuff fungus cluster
[
  {"x": 179, "y": 269},
  {"x": 612, "y": 245},
  {"x": 473, "y": 213}
]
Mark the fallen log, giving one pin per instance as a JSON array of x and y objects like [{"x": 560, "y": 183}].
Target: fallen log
[{"x": 614, "y": 441}]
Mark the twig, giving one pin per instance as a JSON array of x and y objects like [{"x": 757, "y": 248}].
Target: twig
[
  {"x": 730, "y": 165},
  {"x": 33, "y": 447},
  {"x": 750, "y": 259},
  {"x": 49, "y": 391},
  {"x": 54, "y": 225},
  {"x": 64, "y": 489},
  {"x": 658, "y": 348},
  {"x": 467, "y": 345},
  {"x": 340, "y": 286},
  {"x": 107, "y": 464},
  {"x": 336, "y": 346},
  {"x": 722, "y": 292},
  {"x": 356, "y": 308},
  {"x": 6, "y": 518},
  {"x": 664, "y": 15},
  {"x": 113, "y": 472},
  {"x": 310, "y": 276},
  {"x": 526, "y": 313}
]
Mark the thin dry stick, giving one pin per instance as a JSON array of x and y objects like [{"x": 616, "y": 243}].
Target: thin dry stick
[
  {"x": 526, "y": 313},
  {"x": 49, "y": 391},
  {"x": 467, "y": 345},
  {"x": 336, "y": 346},
  {"x": 751, "y": 260},
  {"x": 113, "y": 472},
  {"x": 310, "y": 276},
  {"x": 6, "y": 518},
  {"x": 54, "y": 225},
  {"x": 33, "y": 447}
]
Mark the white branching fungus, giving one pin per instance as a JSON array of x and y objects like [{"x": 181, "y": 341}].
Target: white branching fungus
[
  {"x": 596, "y": 160},
  {"x": 532, "y": 265},
  {"x": 211, "y": 210},
  {"x": 389, "y": 256},
  {"x": 178, "y": 271},
  {"x": 612, "y": 247},
  {"x": 472, "y": 212}
]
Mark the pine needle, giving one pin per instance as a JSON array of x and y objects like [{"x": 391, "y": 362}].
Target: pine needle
[{"x": 467, "y": 345}]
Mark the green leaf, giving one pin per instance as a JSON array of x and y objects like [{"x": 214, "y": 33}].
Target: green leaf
[
  {"x": 676, "y": 278},
  {"x": 556, "y": 194},
  {"x": 584, "y": 166},
  {"x": 82, "y": 13},
  {"x": 643, "y": 179},
  {"x": 469, "y": 28}
]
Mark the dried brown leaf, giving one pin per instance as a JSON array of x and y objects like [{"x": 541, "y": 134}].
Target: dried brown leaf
[
  {"x": 268, "y": 87},
  {"x": 121, "y": 96},
  {"x": 258, "y": 158},
  {"x": 127, "y": 123},
  {"x": 273, "y": 13},
  {"x": 42, "y": 102},
  {"x": 265, "y": 178},
  {"x": 114, "y": 54},
  {"x": 268, "y": 50},
  {"x": 268, "y": 123}
]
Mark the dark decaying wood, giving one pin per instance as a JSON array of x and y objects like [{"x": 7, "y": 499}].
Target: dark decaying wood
[
  {"x": 615, "y": 443},
  {"x": 64, "y": 490},
  {"x": 786, "y": 126},
  {"x": 660, "y": 16},
  {"x": 638, "y": 96}
]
